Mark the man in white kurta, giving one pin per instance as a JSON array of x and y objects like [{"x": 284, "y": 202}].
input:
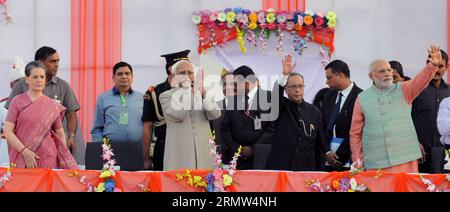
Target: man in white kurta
[{"x": 187, "y": 110}]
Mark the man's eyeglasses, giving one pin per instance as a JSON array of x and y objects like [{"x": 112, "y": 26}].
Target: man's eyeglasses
[{"x": 299, "y": 86}]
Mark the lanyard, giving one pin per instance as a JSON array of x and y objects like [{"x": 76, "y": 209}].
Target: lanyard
[{"x": 124, "y": 100}]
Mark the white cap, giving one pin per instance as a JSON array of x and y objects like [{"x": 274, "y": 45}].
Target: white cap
[{"x": 17, "y": 71}]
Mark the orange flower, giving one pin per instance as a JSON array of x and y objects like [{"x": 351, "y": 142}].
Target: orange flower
[
  {"x": 253, "y": 17},
  {"x": 308, "y": 20},
  {"x": 336, "y": 184},
  {"x": 298, "y": 27}
]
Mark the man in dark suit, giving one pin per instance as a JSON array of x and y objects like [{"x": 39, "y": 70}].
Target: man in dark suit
[
  {"x": 337, "y": 112},
  {"x": 229, "y": 92},
  {"x": 243, "y": 126},
  {"x": 299, "y": 135}
]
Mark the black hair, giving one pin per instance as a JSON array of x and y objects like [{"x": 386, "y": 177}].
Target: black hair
[
  {"x": 43, "y": 53},
  {"x": 444, "y": 56},
  {"x": 339, "y": 66},
  {"x": 397, "y": 66},
  {"x": 120, "y": 65}
]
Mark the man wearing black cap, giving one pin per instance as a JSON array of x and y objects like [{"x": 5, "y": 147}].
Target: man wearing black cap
[
  {"x": 244, "y": 126},
  {"x": 153, "y": 116}
]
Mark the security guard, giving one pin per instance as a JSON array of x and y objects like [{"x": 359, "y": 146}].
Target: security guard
[{"x": 153, "y": 116}]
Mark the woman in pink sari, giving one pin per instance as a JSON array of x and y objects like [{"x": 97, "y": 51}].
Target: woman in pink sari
[{"x": 34, "y": 127}]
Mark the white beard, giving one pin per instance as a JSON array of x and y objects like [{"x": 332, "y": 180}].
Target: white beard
[{"x": 383, "y": 84}]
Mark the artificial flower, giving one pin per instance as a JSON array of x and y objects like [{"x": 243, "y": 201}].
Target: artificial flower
[
  {"x": 353, "y": 184},
  {"x": 336, "y": 184},
  {"x": 290, "y": 16},
  {"x": 332, "y": 23},
  {"x": 308, "y": 20},
  {"x": 309, "y": 12},
  {"x": 320, "y": 14},
  {"x": 110, "y": 185},
  {"x": 100, "y": 187},
  {"x": 253, "y": 26},
  {"x": 271, "y": 26},
  {"x": 281, "y": 18},
  {"x": 319, "y": 21},
  {"x": 300, "y": 20},
  {"x": 106, "y": 174},
  {"x": 231, "y": 17},
  {"x": 227, "y": 180},
  {"x": 222, "y": 17},
  {"x": 331, "y": 15},
  {"x": 253, "y": 17},
  {"x": 262, "y": 17},
  {"x": 213, "y": 17},
  {"x": 298, "y": 27},
  {"x": 271, "y": 18}
]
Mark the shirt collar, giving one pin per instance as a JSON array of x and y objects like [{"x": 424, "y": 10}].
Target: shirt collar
[
  {"x": 252, "y": 93},
  {"x": 54, "y": 80},
  {"x": 117, "y": 92},
  {"x": 442, "y": 85},
  {"x": 347, "y": 91}
]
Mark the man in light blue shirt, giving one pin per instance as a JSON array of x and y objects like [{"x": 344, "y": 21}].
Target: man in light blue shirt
[{"x": 118, "y": 112}]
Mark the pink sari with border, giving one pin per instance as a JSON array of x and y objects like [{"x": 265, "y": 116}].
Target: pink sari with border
[{"x": 34, "y": 123}]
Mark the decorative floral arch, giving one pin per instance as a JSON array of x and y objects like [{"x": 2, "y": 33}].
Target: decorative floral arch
[{"x": 219, "y": 27}]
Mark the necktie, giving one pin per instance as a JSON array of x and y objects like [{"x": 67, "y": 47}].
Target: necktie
[
  {"x": 335, "y": 113},
  {"x": 246, "y": 103}
]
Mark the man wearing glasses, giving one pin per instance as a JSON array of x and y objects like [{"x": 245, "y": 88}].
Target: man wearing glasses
[
  {"x": 424, "y": 113},
  {"x": 299, "y": 135},
  {"x": 382, "y": 135}
]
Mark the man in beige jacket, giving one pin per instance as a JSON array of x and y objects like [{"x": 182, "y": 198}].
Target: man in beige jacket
[{"x": 187, "y": 110}]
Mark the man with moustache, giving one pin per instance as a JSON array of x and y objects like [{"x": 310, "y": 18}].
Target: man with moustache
[
  {"x": 424, "y": 113},
  {"x": 382, "y": 135}
]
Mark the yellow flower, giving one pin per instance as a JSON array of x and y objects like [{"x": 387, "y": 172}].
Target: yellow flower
[
  {"x": 253, "y": 17},
  {"x": 227, "y": 180},
  {"x": 308, "y": 20},
  {"x": 101, "y": 187},
  {"x": 106, "y": 174},
  {"x": 336, "y": 184},
  {"x": 331, "y": 15},
  {"x": 188, "y": 172},
  {"x": 253, "y": 26},
  {"x": 351, "y": 190},
  {"x": 197, "y": 180},
  {"x": 191, "y": 182},
  {"x": 332, "y": 23},
  {"x": 231, "y": 16},
  {"x": 271, "y": 18},
  {"x": 73, "y": 174},
  {"x": 180, "y": 176}
]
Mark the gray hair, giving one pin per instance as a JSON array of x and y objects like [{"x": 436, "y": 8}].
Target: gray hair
[
  {"x": 178, "y": 64},
  {"x": 294, "y": 75},
  {"x": 372, "y": 65},
  {"x": 32, "y": 65}
]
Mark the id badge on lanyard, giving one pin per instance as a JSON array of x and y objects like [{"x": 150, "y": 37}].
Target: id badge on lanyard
[{"x": 123, "y": 119}]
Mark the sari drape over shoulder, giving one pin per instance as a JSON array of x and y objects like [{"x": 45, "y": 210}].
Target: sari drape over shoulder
[{"x": 35, "y": 125}]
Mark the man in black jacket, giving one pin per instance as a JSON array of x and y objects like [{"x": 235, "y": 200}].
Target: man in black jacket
[
  {"x": 424, "y": 113},
  {"x": 337, "y": 113},
  {"x": 243, "y": 126},
  {"x": 299, "y": 136}
]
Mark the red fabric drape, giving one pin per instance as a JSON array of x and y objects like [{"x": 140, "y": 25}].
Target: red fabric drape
[
  {"x": 285, "y": 4},
  {"x": 96, "y": 44},
  {"x": 39, "y": 180}
]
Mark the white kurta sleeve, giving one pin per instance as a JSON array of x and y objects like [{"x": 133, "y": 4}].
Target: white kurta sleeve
[{"x": 176, "y": 104}]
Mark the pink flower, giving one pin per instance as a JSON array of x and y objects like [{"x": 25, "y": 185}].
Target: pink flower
[
  {"x": 271, "y": 26},
  {"x": 261, "y": 17},
  {"x": 319, "y": 21},
  {"x": 2, "y": 1}
]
